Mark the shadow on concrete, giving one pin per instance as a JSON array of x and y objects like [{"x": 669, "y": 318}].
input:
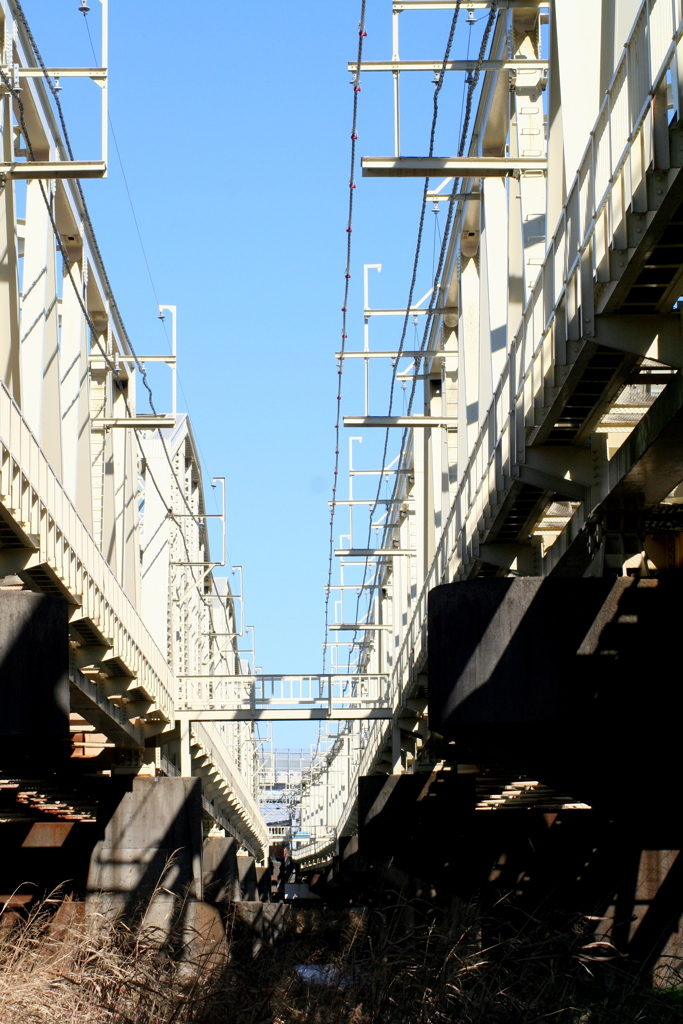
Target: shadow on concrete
[
  {"x": 567, "y": 680},
  {"x": 34, "y": 683},
  {"x": 146, "y": 866},
  {"x": 572, "y": 682}
]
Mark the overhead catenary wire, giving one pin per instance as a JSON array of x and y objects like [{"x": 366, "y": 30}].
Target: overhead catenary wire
[
  {"x": 438, "y": 85},
  {"x": 67, "y": 261},
  {"x": 451, "y": 205},
  {"x": 442, "y": 255},
  {"x": 347, "y": 277},
  {"x": 137, "y": 229},
  {"x": 360, "y": 644},
  {"x": 110, "y": 295},
  {"x": 139, "y": 234}
]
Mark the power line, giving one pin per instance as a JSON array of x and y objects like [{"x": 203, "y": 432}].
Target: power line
[
  {"x": 110, "y": 296},
  {"x": 139, "y": 234},
  {"x": 446, "y": 236},
  {"x": 440, "y": 78},
  {"x": 151, "y": 281},
  {"x": 347, "y": 277}
]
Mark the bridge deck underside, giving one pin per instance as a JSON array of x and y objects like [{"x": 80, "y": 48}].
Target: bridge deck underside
[{"x": 584, "y": 390}]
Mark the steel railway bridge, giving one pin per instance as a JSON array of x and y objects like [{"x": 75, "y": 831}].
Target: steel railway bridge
[{"x": 544, "y": 438}]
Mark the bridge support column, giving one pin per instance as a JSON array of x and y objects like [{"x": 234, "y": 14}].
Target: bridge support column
[
  {"x": 219, "y": 869},
  {"x": 34, "y": 682},
  {"x": 147, "y": 866}
]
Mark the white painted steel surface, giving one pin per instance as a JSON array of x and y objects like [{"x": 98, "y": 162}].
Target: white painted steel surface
[{"x": 567, "y": 277}]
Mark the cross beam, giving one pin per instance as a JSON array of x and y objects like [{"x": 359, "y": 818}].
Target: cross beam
[
  {"x": 451, "y": 65},
  {"x": 453, "y": 166},
  {"x": 207, "y": 714},
  {"x": 400, "y": 421}
]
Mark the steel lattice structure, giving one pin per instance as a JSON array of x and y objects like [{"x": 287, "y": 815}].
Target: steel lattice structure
[
  {"x": 544, "y": 389},
  {"x": 549, "y": 353},
  {"x": 79, "y": 462}
]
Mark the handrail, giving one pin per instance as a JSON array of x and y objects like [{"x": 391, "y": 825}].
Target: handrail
[
  {"x": 224, "y": 763},
  {"x": 29, "y": 485},
  {"x": 620, "y": 149}
]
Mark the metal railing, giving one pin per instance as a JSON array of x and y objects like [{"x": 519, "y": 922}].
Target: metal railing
[
  {"x": 612, "y": 174},
  {"x": 34, "y": 497},
  {"x": 329, "y": 692},
  {"x": 215, "y": 751},
  {"x": 630, "y": 135}
]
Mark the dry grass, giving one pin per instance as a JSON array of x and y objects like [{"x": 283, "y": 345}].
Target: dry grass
[{"x": 401, "y": 966}]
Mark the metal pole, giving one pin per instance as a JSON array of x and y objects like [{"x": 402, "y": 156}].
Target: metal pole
[
  {"x": 185, "y": 749},
  {"x": 104, "y": 84},
  {"x": 396, "y": 74},
  {"x": 366, "y": 327},
  {"x": 174, "y": 364},
  {"x": 214, "y": 480}
]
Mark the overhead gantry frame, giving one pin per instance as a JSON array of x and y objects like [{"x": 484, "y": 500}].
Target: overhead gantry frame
[
  {"x": 71, "y": 451},
  {"x": 555, "y": 354}
]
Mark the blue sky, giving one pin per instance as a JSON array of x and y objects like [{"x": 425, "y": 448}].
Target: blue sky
[{"x": 233, "y": 124}]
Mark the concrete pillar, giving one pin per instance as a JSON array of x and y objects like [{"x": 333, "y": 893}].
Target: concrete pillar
[
  {"x": 246, "y": 869},
  {"x": 219, "y": 869},
  {"x": 34, "y": 680},
  {"x": 147, "y": 866}
]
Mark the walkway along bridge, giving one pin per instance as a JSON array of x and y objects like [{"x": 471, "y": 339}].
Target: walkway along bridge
[
  {"x": 101, "y": 504},
  {"x": 543, "y": 438}
]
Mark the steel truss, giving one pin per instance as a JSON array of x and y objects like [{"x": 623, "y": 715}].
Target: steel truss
[{"x": 522, "y": 317}]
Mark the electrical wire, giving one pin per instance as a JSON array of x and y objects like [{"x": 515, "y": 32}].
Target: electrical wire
[
  {"x": 112, "y": 301},
  {"x": 144, "y": 255},
  {"x": 110, "y": 295},
  {"x": 411, "y": 291},
  {"x": 139, "y": 234},
  {"x": 442, "y": 255},
  {"x": 347, "y": 277},
  {"x": 67, "y": 263}
]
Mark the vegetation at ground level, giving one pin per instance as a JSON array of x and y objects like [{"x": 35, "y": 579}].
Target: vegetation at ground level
[{"x": 407, "y": 963}]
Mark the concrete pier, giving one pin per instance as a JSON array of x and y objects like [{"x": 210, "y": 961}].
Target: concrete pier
[
  {"x": 34, "y": 680},
  {"x": 147, "y": 865},
  {"x": 220, "y": 879}
]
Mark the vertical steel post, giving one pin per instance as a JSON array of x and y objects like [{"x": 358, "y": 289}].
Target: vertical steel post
[
  {"x": 396, "y": 75},
  {"x": 105, "y": 84},
  {"x": 396, "y": 758},
  {"x": 185, "y": 749}
]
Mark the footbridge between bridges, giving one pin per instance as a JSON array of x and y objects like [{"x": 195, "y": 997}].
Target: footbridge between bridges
[{"x": 527, "y": 573}]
